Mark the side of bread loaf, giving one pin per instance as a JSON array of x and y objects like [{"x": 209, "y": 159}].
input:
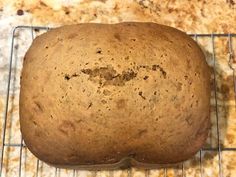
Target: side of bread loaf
[{"x": 97, "y": 93}]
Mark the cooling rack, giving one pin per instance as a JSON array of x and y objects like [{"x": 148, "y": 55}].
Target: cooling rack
[{"x": 20, "y": 147}]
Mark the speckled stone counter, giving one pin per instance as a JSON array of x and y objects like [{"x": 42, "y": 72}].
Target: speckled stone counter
[{"x": 190, "y": 16}]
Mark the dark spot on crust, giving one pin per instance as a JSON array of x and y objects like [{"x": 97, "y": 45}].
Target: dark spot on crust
[
  {"x": 100, "y": 59},
  {"x": 121, "y": 104},
  {"x": 117, "y": 36},
  {"x": 104, "y": 101},
  {"x": 190, "y": 82},
  {"x": 66, "y": 126},
  {"x": 128, "y": 75},
  {"x": 90, "y": 104},
  {"x": 196, "y": 102},
  {"x": 146, "y": 77},
  {"x": 35, "y": 123},
  {"x": 143, "y": 66},
  {"x": 108, "y": 76},
  {"x": 127, "y": 58},
  {"x": 99, "y": 51},
  {"x": 141, "y": 94},
  {"x": 74, "y": 75},
  {"x": 68, "y": 77},
  {"x": 67, "y": 12},
  {"x": 231, "y": 2},
  {"x": 39, "y": 107},
  {"x": 155, "y": 67}
]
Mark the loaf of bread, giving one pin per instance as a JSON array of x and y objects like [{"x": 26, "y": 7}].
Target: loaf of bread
[{"x": 96, "y": 94}]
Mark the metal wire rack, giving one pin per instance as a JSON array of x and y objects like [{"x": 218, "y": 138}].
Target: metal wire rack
[{"x": 218, "y": 149}]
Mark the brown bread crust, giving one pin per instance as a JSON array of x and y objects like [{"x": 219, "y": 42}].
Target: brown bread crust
[{"x": 96, "y": 93}]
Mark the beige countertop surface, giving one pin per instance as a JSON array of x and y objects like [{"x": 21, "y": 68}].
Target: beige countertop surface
[{"x": 196, "y": 16}]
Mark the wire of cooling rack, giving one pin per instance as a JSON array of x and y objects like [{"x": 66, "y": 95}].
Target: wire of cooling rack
[
  {"x": 216, "y": 103},
  {"x": 218, "y": 149}
]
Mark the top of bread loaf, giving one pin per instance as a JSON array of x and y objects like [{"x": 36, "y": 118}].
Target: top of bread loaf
[{"x": 96, "y": 93}]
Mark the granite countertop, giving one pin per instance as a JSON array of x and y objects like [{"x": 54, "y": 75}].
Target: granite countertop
[{"x": 196, "y": 16}]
